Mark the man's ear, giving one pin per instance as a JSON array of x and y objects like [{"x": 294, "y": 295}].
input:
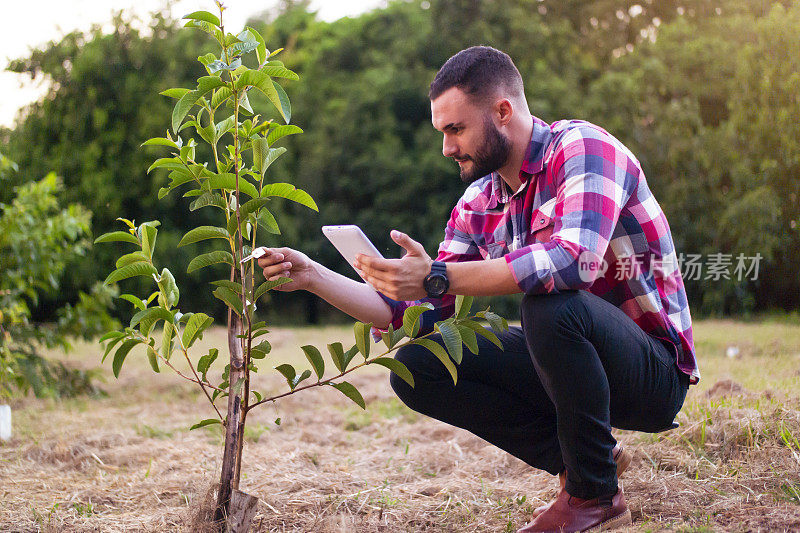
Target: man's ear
[{"x": 503, "y": 111}]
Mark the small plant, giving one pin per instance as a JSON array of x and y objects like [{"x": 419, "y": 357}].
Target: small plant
[{"x": 241, "y": 192}]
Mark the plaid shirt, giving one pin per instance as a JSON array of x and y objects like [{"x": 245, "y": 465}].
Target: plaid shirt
[{"x": 584, "y": 218}]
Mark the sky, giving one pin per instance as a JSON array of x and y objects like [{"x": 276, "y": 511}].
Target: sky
[{"x": 31, "y": 23}]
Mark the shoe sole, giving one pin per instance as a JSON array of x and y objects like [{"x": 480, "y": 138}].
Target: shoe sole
[{"x": 620, "y": 520}]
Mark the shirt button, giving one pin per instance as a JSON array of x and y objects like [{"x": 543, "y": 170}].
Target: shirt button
[{"x": 541, "y": 221}]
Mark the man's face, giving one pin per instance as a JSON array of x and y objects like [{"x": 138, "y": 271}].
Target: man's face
[{"x": 470, "y": 136}]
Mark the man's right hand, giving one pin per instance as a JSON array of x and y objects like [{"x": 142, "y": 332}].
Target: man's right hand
[{"x": 286, "y": 262}]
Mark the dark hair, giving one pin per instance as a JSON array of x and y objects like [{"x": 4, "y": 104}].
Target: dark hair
[{"x": 479, "y": 71}]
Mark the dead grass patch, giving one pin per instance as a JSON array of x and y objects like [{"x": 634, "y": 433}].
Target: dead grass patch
[{"x": 128, "y": 463}]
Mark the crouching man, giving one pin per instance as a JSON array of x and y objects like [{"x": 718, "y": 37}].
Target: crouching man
[{"x": 563, "y": 214}]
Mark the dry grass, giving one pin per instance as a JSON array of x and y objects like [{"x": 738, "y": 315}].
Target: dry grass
[{"x": 127, "y": 462}]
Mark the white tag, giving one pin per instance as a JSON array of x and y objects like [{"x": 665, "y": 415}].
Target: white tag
[{"x": 258, "y": 252}]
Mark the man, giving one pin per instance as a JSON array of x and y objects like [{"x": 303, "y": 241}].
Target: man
[{"x": 563, "y": 214}]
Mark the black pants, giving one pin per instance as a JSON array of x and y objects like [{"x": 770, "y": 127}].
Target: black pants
[{"x": 576, "y": 367}]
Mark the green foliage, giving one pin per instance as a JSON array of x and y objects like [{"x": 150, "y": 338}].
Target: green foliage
[
  {"x": 38, "y": 242},
  {"x": 221, "y": 182}
]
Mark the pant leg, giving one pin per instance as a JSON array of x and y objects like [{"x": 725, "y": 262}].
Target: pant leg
[
  {"x": 599, "y": 369},
  {"x": 498, "y": 397}
]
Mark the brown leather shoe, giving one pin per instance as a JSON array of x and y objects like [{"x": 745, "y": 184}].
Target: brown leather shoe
[
  {"x": 621, "y": 456},
  {"x": 570, "y": 514}
]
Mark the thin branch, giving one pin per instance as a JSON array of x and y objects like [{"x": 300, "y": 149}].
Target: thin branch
[{"x": 329, "y": 380}]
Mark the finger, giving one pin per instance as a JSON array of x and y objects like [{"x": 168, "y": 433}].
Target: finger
[
  {"x": 276, "y": 269},
  {"x": 411, "y": 246},
  {"x": 364, "y": 262},
  {"x": 272, "y": 257}
]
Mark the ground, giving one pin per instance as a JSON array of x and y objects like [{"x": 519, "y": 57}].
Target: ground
[{"x": 127, "y": 461}]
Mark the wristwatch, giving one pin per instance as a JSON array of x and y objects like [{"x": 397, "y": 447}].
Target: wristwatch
[{"x": 436, "y": 283}]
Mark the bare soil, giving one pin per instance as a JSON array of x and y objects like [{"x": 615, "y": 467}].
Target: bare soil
[{"x": 127, "y": 462}]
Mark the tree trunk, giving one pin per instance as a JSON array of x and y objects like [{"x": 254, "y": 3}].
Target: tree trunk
[{"x": 234, "y": 429}]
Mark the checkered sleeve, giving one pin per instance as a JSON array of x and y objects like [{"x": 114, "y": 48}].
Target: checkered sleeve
[
  {"x": 458, "y": 245},
  {"x": 594, "y": 176}
]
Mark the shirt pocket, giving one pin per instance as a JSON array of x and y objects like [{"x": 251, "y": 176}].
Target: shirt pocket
[{"x": 542, "y": 227}]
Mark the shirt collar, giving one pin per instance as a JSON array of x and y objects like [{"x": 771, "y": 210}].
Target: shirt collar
[{"x": 532, "y": 164}]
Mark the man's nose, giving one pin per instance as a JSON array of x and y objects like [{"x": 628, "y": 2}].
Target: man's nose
[{"x": 449, "y": 148}]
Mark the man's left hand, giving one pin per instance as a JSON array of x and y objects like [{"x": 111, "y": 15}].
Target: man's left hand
[{"x": 399, "y": 279}]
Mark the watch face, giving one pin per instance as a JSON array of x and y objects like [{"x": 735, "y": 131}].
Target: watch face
[{"x": 437, "y": 284}]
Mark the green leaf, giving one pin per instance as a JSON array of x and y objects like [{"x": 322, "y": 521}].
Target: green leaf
[
  {"x": 298, "y": 379},
  {"x": 205, "y": 362},
  {"x": 260, "y": 152},
  {"x": 362, "y": 334},
  {"x": 211, "y": 258},
  {"x": 315, "y": 358},
  {"x": 171, "y": 292},
  {"x": 387, "y": 337},
  {"x": 274, "y": 153},
  {"x": 235, "y": 286},
  {"x": 452, "y": 339},
  {"x": 182, "y": 108},
  {"x": 288, "y": 372},
  {"x": 262, "y": 82},
  {"x": 195, "y": 327},
  {"x": 152, "y": 358},
  {"x": 285, "y": 107},
  {"x": 161, "y": 141},
  {"x": 411, "y": 317},
  {"x": 277, "y": 71},
  {"x": 205, "y": 16},
  {"x": 121, "y": 354},
  {"x": 282, "y": 131},
  {"x": 228, "y": 181},
  {"x": 260, "y": 351},
  {"x": 337, "y": 354},
  {"x": 169, "y": 163},
  {"x": 245, "y": 46},
  {"x": 111, "y": 335},
  {"x": 148, "y": 317},
  {"x": 223, "y": 126},
  {"x": 206, "y": 422},
  {"x": 175, "y": 92},
  {"x": 397, "y": 367},
  {"x": 148, "y": 233},
  {"x": 497, "y": 322},
  {"x": 116, "y": 236},
  {"x": 219, "y": 96},
  {"x": 257, "y": 395},
  {"x": 133, "y": 257},
  {"x": 485, "y": 332},
  {"x": 206, "y": 199},
  {"x": 129, "y": 271},
  {"x": 202, "y": 233},
  {"x": 230, "y": 298},
  {"x": 251, "y": 206},
  {"x": 269, "y": 285},
  {"x": 111, "y": 345},
  {"x": 167, "y": 343},
  {"x": 288, "y": 191},
  {"x": 436, "y": 349},
  {"x": 261, "y": 50},
  {"x": 348, "y": 356},
  {"x": 463, "y": 305},
  {"x": 267, "y": 221},
  {"x": 351, "y": 392},
  {"x": 469, "y": 338}
]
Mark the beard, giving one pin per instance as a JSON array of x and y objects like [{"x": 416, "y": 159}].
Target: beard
[{"x": 491, "y": 155}]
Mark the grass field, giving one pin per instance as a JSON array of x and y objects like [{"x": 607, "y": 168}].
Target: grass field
[{"x": 127, "y": 462}]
